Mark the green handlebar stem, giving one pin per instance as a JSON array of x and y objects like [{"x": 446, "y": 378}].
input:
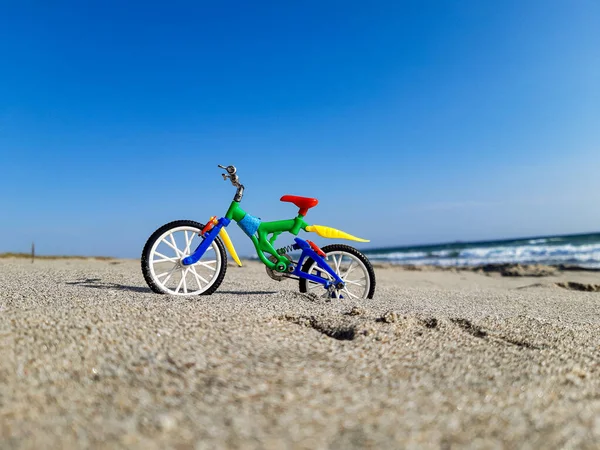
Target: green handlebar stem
[{"x": 235, "y": 212}]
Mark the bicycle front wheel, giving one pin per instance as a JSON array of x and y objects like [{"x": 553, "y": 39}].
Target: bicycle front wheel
[
  {"x": 162, "y": 255},
  {"x": 350, "y": 265}
]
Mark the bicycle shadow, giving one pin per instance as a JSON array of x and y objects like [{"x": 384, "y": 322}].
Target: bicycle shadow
[{"x": 98, "y": 283}]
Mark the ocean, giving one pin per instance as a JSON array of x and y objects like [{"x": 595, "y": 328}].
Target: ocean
[{"x": 578, "y": 249}]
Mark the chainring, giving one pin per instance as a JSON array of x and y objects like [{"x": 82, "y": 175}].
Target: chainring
[{"x": 277, "y": 276}]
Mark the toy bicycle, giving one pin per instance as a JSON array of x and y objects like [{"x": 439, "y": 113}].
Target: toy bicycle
[{"x": 188, "y": 258}]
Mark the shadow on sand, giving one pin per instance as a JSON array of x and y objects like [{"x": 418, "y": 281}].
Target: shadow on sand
[{"x": 97, "y": 283}]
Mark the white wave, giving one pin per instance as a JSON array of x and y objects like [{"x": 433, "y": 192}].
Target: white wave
[
  {"x": 588, "y": 255},
  {"x": 400, "y": 256},
  {"x": 443, "y": 253},
  {"x": 532, "y": 252}
]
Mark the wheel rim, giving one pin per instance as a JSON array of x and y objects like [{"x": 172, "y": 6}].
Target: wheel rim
[
  {"x": 165, "y": 262},
  {"x": 350, "y": 269}
]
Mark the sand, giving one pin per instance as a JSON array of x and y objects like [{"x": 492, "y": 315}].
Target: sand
[{"x": 90, "y": 358}]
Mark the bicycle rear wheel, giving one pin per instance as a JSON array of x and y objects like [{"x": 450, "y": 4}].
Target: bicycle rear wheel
[{"x": 350, "y": 265}]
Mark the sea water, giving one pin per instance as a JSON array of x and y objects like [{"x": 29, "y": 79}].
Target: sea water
[{"x": 581, "y": 249}]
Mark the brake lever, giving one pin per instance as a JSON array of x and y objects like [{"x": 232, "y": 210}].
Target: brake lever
[{"x": 230, "y": 169}]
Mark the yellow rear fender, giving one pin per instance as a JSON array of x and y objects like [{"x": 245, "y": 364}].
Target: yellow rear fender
[
  {"x": 230, "y": 248},
  {"x": 332, "y": 233}
]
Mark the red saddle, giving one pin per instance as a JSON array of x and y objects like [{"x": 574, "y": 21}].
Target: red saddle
[{"x": 304, "y": 203}]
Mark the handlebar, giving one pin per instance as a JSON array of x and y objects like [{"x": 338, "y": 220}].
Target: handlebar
[
  {"x": 231, "y": 170},
  {"x": 235, "y": 181}
]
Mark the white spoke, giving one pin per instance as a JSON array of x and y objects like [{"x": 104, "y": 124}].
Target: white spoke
[
  {"x": 179, "y": 252},
  {"x": 188, "y": 247},
  {"x": 166, "y": 258},
  {"x": 154, "y": 261},
  {"x": 165, "y": 273},
  {"x": 321, "y": 273},
  {"x": 173, "y": 246},
  {"x": 186, "y": 251},
  {"x": 184, "y": 281},
  {"x": 350, "y": 294},
  {"x": 350, "y": 269},
  {"x": 193, "y": 270},
  {"x": 356, "y": 283},
  {"x": 198, "y": 277},
  {"x": 179, "y": 285},
  {"x": 169, "y": 274},
  {"x": 206, "y": 264},
  {"x": 314, "y": 285},
  {"x": 334, "y": 265}
]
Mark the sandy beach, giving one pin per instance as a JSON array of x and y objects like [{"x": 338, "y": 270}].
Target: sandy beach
[{"x": 437, "y": 359}]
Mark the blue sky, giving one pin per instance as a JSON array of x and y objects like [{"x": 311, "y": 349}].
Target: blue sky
[{"x": 411, "y": 122}]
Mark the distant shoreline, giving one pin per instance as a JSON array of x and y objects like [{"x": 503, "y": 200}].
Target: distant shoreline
[{"x": 50, "y": 257}]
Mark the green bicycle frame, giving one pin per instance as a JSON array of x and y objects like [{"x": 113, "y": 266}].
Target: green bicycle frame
[{"x": 264, "y": 243}]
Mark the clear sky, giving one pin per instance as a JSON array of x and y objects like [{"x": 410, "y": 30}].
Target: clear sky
[{"x": 411, "y": 122}]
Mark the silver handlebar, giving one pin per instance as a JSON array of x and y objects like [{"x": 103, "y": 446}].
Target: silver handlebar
[{"x": 231, "y": 170}]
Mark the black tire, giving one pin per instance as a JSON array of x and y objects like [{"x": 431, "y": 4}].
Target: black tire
[
  {"x": 147, "y": 268},
  {"x": 346, "y": 250}
]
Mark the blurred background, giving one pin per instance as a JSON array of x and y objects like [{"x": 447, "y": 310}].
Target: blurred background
[{"x": 412, "y": 122}]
